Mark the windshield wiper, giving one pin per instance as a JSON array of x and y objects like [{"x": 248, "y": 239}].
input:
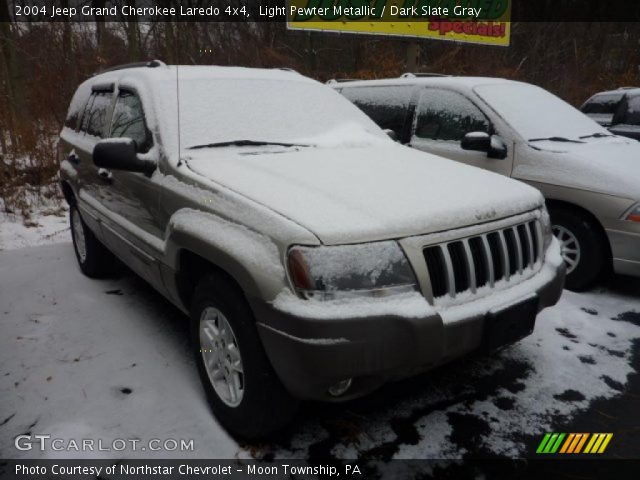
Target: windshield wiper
[
  {"x": 597, "y": 135},
  {"x": 245, "y": 143},
  {"x": 554, "y": 139}
]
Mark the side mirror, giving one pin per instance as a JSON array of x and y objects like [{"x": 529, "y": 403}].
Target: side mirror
[
  {"x": 483, "y": 142},
  {"x": 476, "y": 141},
  {"x": 391, "y": 134},
  {"x": 121, "y": 154}
]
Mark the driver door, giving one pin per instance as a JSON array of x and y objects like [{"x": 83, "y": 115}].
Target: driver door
[
  {"x": 133, "y": 229},
  {"x": 442, "y": 118}
]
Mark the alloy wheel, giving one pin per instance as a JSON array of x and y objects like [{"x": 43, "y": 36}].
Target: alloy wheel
[
  {"x": 78, "y": 235},
  {"x": 569, "y": 247},
  {"x": 221, "y": 356}
]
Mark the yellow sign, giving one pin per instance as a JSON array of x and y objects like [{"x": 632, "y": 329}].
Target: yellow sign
[{"x": 486, "y": 22}]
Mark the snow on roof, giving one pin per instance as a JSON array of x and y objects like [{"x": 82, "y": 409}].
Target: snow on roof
[
  {"x": 200, "y": 72},
  {"x": 157, "y": 88},
  {"x": 463, "y": 82},
  {"x": 620, "y": 91}
]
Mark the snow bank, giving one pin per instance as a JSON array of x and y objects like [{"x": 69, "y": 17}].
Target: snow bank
[{"x": 46, "y": 222}]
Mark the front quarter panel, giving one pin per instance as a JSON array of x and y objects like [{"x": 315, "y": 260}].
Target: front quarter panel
[
  {"x": 242, "y": 237},
  {"x": 251, "y": 258}
]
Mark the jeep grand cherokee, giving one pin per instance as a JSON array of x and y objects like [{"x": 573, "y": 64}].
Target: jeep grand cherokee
[{"x": 316, "y": 258}]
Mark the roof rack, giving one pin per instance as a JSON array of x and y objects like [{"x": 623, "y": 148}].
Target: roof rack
[
  {"x": 422, "y": 75},
  {"x": 333, "y": 81},
  {"x": 627, "y": 88},
  {"x": 149, "y": 64}
]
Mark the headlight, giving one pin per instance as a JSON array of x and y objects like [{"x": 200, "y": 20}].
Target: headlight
[
  {"x": 633, "y": 215},
  {"x": 370, "y": 269},
  {"x": 547, "y": 232}
]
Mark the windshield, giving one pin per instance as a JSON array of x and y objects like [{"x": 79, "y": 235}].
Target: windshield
[
  {"x": 537, "y": 114},
  {"x": 221, "y": 111}
]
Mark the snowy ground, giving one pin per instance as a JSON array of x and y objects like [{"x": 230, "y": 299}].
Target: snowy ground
[
  {"x": 47, "y": 223},
  {"x": 108, "y": 359}
]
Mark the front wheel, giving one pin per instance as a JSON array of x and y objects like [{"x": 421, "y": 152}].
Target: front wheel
[
  {"x": 244, "y": 392},
  {"x": 581, "y": 247}
]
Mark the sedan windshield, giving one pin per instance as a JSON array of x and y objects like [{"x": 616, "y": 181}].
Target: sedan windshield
[
  {"x": 537, "y": 114},
  {"x": 249, "y": 112}
]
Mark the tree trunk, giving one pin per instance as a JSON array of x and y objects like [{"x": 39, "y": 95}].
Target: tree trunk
[
  {"x": 18, "y": 114},
  {"x": 133, "y": 37}
]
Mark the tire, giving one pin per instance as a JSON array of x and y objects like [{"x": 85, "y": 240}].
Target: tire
[
  {"x": 94, "y": 259},
  {"x": 261, "y": 405},
  {"x": 583, "y": 248}
]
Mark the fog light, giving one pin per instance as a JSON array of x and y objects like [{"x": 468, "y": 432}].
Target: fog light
[{"x": 340, "y": 388}]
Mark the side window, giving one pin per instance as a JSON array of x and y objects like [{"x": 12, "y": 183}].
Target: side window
[
  {"x": 128, "y": 120},
  {"x": 387, "y": 106},
  {"x": 95, "y": 121},
  {"x": 603, "y": 104},
  {"x": 77, "y": 106},
  {"x": 447, "y": 116},
  {"x": 72, "y": 120},
  {"x": 632, "y": 114},
  {"x": 86, "y": 113}
]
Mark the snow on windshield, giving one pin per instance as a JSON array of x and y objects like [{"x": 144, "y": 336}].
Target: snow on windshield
[
  {"x": 535, "y": 113},
  {"x": 271, "y": 110}
]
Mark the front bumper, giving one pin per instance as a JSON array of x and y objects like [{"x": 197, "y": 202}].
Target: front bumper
[
  {"x": 625, "y": 248},
  {"x": 311, "y": 354}
]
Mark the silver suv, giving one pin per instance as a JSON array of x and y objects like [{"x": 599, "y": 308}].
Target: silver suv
[{"x": 316, "y": 258}]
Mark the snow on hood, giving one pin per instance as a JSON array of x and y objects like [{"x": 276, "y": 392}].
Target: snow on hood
[
  {"x": 349, "y": 195},
  {"x": 349, "y": 134},
  {"x": 607, "y": 165}
]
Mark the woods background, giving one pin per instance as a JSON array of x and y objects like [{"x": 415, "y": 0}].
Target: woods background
[{"x": 41, "y": 64}]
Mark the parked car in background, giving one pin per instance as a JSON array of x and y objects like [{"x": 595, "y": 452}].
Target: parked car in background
[
  {"x": 617, "y": 110},
  {"x": 316, "y": 258},
  {"x": 590, "y": 177}
]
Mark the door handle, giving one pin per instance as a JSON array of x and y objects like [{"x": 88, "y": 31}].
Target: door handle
[
  {"x": 73, "y": 158},
  {"x": 105, "y": 174}
]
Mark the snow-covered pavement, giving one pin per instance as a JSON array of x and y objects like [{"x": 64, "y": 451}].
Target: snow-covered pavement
[{"x": 108, "y": 359}]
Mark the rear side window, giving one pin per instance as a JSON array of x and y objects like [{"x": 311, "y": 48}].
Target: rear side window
[
  {"x": 632, "y": 113},
  {"x": 128, "y": 120},
  {"x": 77, "y": 106},
  {"x": 448, "y": 116},
  {"x": 94, "y": 119},
  {"x": 387, "y": 106},
  {"x": 603, "y": 104}
]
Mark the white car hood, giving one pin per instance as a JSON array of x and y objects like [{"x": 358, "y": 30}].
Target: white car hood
[
  {"x": 606, "y": 165},
  {"x": 350, "y": 195}
]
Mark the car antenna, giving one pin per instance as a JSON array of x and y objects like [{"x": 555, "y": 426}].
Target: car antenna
[{"x": 178, "y": 107}]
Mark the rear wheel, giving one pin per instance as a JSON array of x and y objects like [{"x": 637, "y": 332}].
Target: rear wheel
[
  {"x": 94, "y": 259},
  {"x": 244, "y": 392},
  {"x": 581, "y": 247}
]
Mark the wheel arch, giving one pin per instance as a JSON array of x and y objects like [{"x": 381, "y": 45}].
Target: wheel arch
[
  {"x": 562, "y": 204},
  {"x": 192, "y": 267},
  {"x": 201, "y": 243}
]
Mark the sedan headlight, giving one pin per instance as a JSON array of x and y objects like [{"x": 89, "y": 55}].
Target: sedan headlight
[
  {"x": 634, "y": 214},
  {"x": 370, "y": 269}
]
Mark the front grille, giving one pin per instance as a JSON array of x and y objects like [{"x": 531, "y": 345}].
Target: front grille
[{"x": 470, "y": 263}]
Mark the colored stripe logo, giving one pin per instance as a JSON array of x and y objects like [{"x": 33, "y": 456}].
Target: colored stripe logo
[{"x": 573, "y": 443}]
